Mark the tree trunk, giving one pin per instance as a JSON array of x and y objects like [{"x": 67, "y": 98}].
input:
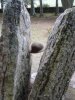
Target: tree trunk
[
  {"x": 57, "y": 8},
  {"x": 67, "y": 3},
  {"x": 41, "y": 8},
  {"x": 26, "y": 3},
  {"x": 58, "y": 61},
  {"x": 71, "y": 1},
  {"x": 32, "y": 8},
  {"x": 2, "y": 5},
  {"x": 14, "y": 52}
]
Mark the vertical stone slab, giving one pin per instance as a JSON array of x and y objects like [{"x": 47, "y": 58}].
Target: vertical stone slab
[
  {"x": 58, "y": 61},
  {"x": 14, "y": 52}
]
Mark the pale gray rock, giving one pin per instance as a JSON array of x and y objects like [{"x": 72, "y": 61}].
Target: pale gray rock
[{"x": 14, "y": 52}]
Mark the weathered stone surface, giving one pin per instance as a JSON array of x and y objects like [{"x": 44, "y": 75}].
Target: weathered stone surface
[
  {"x": 14, "y": 52},
  {"x": 58, "y": 61}
]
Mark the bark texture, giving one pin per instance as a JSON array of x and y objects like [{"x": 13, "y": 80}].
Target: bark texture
[
  {"x": 14, "y": 52},
  {"x": 57, "y": 8},
  {"x": 41, "y": 8},
  {"x": 58, "y": 61},
  {"x": 67, "y": 3},
  {"x": 32, "y": 8}
]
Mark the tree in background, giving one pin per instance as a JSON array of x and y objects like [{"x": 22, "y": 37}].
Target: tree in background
[
  {"x": 67, "y": 3},
  {"x": 2, "y": 4},
  {"x": 71, "y": 1},
  {"x": 57, "y": 8},
  {"x": 27, "y": 2},
  {"x": 32, "y": 8},
  {"x": 41, "y": 8}
]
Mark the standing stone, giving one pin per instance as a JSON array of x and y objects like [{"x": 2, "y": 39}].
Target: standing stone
[
  {"x": 58, "y": 61},
  {"x": 14, "y": 52}
]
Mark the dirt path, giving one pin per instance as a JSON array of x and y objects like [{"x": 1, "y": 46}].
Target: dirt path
[{"x": 40, "y": 29}]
